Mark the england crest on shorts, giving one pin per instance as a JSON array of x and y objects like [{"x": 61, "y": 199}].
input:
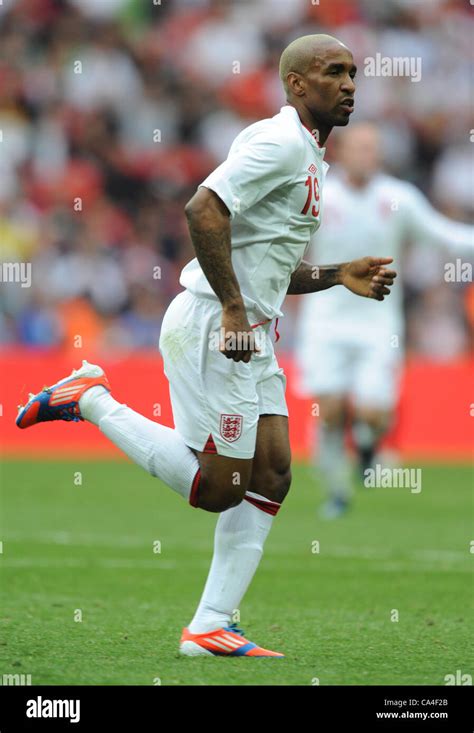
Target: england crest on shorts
[{"x": 231, "y": 427}]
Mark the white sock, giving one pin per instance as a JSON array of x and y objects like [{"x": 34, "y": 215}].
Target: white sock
[
  {"x": 238, "y": 546},
  {"x": 158, "y": 449},
  {"x": 364, "y": 435},
  {"x": 333, "y": 462},
  {"x": 368, "y": 436}
]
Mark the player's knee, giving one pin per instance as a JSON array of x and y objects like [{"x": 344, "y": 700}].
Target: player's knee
[
  {"x": 223, "y": 482},
  {"x": 274, "y": 483},
  {"x": 215, "y": 503},
  {"x": 282, "y": 483},
  {"x": 378, "y": 420},
  {"x": 333, "y": 413},
  {"x": 214, "y": 496}
]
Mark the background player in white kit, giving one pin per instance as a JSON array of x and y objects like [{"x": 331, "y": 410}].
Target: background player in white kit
[
  {"x": 349, "y": 351},
  {"x": 250, "y": 222}
]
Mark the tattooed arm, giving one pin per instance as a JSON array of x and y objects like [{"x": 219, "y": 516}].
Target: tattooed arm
[
  {"x": 309, "y": 278},
  {"x": 209, "y": 226},
  {"x": 366, "y": 277}
]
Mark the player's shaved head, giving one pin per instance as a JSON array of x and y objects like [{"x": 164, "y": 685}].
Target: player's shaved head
[
  {"x": 304, "y": 52},
  {"x": 317, "y": 72}
]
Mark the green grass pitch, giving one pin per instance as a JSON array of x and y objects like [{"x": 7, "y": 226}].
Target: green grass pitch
[{"x": 81, "y": 536}]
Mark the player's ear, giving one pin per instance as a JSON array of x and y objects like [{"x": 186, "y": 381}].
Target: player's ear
[{"x": 296, "y": 84}]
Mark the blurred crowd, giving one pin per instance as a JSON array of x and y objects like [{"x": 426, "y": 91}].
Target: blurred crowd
[{"x": 112, "y": 111}]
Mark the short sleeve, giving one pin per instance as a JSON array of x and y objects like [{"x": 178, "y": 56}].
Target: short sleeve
[{"x": 254, "y": 169}]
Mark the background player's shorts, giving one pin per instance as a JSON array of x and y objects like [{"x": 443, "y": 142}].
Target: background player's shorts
[
  {"x": 217, "y": 402},
  {"x": 360, "y": 362}
]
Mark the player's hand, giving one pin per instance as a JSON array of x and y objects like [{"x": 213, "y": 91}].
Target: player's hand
[
  {"x": 368, "y": 277},
  {"x": 237, "y": 339}
]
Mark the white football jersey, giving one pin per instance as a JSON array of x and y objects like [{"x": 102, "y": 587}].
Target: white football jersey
[
  {"x": 377, "y": 220},
  {"x": 271, "y": 183}
]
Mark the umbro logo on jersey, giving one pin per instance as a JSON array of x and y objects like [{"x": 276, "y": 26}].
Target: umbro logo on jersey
[{"x": 312, "y": 168}]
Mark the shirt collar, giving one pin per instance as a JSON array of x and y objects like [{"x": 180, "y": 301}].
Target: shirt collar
[{"x": 289, "y": 109}]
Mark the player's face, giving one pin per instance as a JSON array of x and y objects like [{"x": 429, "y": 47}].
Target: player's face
[
  {"x": 330, "y": 87},
  {"x": 359, "y": 151}
]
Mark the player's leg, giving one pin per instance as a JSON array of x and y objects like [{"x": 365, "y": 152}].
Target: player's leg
[
  {"x": 223, "y": 481},
  {"x": 207, "y": 481},
  {"x": 370, "y": 425},
  {"x": 333, "y": 461},
  {"x": 170, "y": 454},
  {"x": 242, "y": 530},
  {"x": 85, "y": 395},
  {"x": 214, "y": 405},
  {"x": 375, "y": 390},
  {"x": 325, "y": 360},
  {"x": 240, "y": 536},
  {"x": 324, "y": 356},
  {"x": 271, "y": 468}
]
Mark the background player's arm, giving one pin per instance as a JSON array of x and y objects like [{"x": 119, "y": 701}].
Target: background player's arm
[
  {"x": 425, "y": 224},
  {"x": 366, "y": 277},
  {"x": 209, "y": 226}
]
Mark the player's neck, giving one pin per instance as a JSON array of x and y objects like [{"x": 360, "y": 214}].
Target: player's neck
[{"x": 319, "y": 130}]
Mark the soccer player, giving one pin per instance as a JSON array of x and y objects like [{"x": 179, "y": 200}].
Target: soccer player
[
  {"x": 250, "y": 223},
  {"x": 350, "y": 352}
]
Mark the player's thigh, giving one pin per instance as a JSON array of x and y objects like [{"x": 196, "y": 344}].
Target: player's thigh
[
  {"x": 223, "y": 481},
  {"x": 332, "y": 408},
  {"x": 271, "y": 468},
  {"x": 325, "y": 364},
  {"x": 376, "y": 380},
  {"x": 378, "y": 418},
  {"x": 271, "y": 473}
]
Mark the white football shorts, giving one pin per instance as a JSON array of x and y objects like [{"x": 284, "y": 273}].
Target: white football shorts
[
  {"x": 364, "y": 363},
  {"x": 216, "y": 401}
]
